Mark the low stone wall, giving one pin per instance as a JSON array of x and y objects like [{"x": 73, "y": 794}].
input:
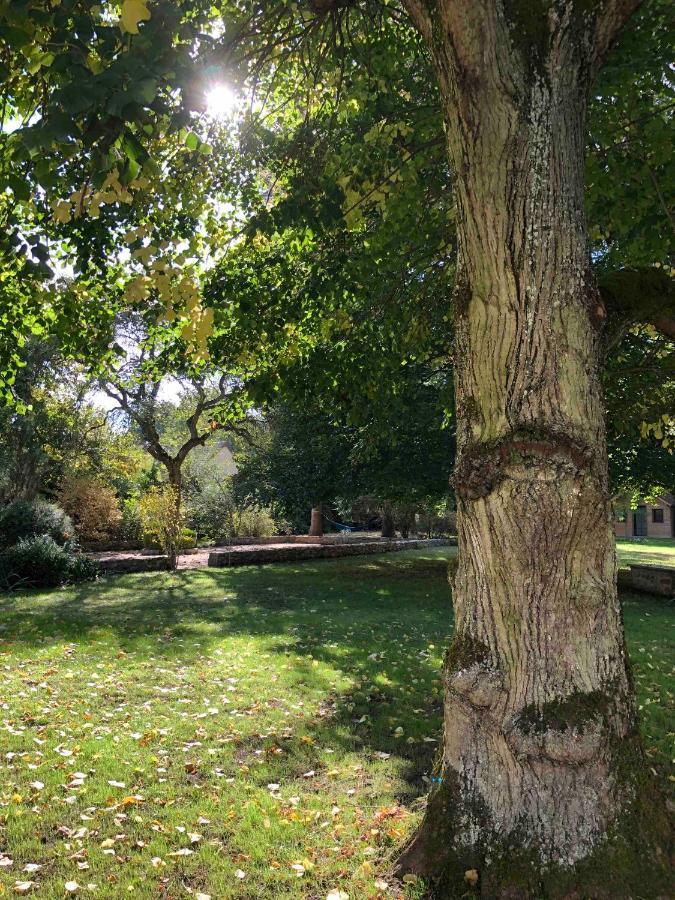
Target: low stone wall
[
  {"x": 296, "y": 553},
  {"x": 301, "y": 539},
  {"x": 118, "y": 563},
  {"x": 353, "y": 537},
  {"x": 658, "y": 580},
  {"x": 624, "y": 580}
]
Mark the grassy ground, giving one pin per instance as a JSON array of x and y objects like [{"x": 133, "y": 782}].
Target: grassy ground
[
  {"x": 646, "y": 550},
  {"x": 252, "y": 733}
]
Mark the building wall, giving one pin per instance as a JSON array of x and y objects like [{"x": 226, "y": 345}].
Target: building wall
[
  {"x": 660, "y": 529},
  {"x": 654, "y": 529}
]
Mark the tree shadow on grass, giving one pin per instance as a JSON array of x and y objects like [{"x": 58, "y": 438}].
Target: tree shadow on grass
[{"x": 377, "y": 620}]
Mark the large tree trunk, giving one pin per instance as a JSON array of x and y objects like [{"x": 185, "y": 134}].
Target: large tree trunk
[
  {"x": 541, "y": 760},
  {"x": 316, "y": 524}
]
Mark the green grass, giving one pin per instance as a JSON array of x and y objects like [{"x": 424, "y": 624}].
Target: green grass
[
  {"x": 645, "y": 550},
  {"x": 198, "y": 691}
]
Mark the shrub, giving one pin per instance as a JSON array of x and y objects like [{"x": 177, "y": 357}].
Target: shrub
[
  {"x": 187, "y": 539},
  {"x": 93, "y": 506},
  {"x": 211, "y": 511},
  {"x": 38, "y": 561},
  {"x": 81, "y": 568},
  {"x": 31, "y": 518},
  {"x": 254, "y": 521},
  {"x": 161, "y": 520},
  {"x": 131, "y": 528}
]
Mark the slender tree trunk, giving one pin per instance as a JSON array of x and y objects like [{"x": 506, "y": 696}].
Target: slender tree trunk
[
  {"x": 174, "y": 527},
  {"x": 387, "y": 521},
  {"x": 316, "y": 525},
  {"x": 541, "y": 760}
]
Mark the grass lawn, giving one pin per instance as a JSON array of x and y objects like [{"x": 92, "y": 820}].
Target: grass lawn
[
  {"x": 263, "y": 732},
  {"x": 646, "y": 550}
]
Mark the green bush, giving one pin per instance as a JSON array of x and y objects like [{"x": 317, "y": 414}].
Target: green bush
[
  {"x": 81, "y": 568},
  {"x": 254, "y": 521},
  {"x": 31, "y": 518},
  {"x": 187, "y": 539},
  {"x": 39, "y": 561}
]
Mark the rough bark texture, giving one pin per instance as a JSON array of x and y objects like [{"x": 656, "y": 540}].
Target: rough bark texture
[
  {"x": 176, "y": 482},
  {"x": 316, "y": 526},
  {"x": 541, "y": 757}
]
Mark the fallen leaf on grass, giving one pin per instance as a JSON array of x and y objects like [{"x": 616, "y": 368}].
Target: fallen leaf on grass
[{"x": 471, "y": 877}]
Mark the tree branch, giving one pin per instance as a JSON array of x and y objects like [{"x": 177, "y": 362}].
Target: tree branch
[
  {"x": 610, "y": 20},
  {"x": 638, "y": 295}
]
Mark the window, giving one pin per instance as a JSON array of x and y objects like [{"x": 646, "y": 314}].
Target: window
[{"x": 657, "y": 515}]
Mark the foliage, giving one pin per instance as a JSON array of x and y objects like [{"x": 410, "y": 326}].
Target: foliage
[
  {"x": 93, "y": 507},
  {"x": 131, "y": 527},
  {"x": 331, "y": 663},
  {"x": 210, "y": 510},
  {"x": 187, "y": 539},
  {"x": 25, "y": 519},
  {"x": 38, "y": 561},
  {"x": 299, "y": 459},
  {"x": 639, "y": 386},
  {"x": 253, "y": 521},
  {"x": 327, "y": 223},
  {"x": 161, "y": 519}
]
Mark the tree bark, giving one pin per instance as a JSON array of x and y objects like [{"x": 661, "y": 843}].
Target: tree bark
[
  {"x": 541, "y": 760},
  {"x": 176, "y": 482},
  {"x": 316, "y": 526}
]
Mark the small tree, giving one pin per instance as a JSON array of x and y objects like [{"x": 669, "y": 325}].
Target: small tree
[
  {"x": 170, "y": 429},
  {"x": 162, "y": 520}
]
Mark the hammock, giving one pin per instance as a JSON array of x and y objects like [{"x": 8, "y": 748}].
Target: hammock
[{"x": 342, "y": 527}]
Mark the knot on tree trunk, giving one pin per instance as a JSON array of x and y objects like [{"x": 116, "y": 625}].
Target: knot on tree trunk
[
  {"x": 479, "y": 686},
  {"x": 482, "y": 467}
]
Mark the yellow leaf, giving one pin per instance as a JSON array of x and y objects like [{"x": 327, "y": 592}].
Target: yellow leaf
[
  {"x": 62, "y": 211},
  {"x": 133, "y": 12}
]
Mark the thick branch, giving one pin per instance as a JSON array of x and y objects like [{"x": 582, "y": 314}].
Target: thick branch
[{"x": 610, "y": 20}]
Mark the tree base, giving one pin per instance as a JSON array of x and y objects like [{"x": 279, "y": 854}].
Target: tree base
[{"x": 634, "y": 862}]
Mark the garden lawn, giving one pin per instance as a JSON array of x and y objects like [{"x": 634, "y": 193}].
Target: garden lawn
[
  {"x": 262, "y": 732},
  {"x": 641, "y": 551}
]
